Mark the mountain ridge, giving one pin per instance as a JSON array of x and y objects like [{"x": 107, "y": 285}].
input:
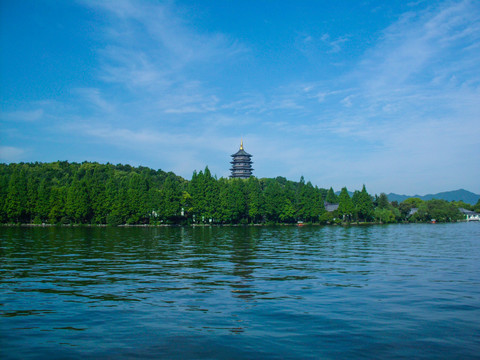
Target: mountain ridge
[{"x": 454, "y": 195}]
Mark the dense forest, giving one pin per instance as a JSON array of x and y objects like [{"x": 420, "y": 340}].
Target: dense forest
[{"x": 92, "y": 193}]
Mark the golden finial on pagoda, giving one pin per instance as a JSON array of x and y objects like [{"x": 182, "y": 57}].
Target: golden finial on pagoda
[{"x": 241, "y": 144}]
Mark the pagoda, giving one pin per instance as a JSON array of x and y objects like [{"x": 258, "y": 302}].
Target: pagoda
[{"x": 241, "y": 164}]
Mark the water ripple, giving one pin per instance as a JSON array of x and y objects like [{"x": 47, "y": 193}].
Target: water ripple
[{"x": 399, "y": 291}]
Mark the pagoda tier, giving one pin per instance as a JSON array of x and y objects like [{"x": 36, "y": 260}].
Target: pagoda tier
[{"x": 241, "y": 164}]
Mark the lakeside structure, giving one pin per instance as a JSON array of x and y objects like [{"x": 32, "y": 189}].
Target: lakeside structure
[
  {"x": 470, "y": 215},
  {"x": 241, "y": 164},
  {"x": 329, "y": 207}
]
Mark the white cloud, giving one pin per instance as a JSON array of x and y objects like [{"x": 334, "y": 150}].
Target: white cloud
[
  {"x": 152, "y": 43},
  {"x": 421, "y": 47},
  {"x": 94, "y": 97},
  {"x": 403, "y": 119},
  {"x": 335, "y": 45},
  {"x": 133, "y": 68},
  {"x": 415, "y": 74},
  {"x": 406, "y": 118},
  {"x": 178, "y": 151},
  {"x": 10, "y": 154},
  {"x": 314, "y": 46},
  {"x": 190, "y": 98},
  {"x": 23, "y": 116},
  {"x": 160, "y": 60}
]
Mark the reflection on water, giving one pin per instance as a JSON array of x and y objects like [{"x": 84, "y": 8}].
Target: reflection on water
[{"x": 241, "y": 292}]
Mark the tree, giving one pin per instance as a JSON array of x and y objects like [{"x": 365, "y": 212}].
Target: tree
[
  {"x": 382, "y": 201},
  {"x": 440, "y": 210},
  {"x": 32, "y": 197},
  {"x": 16, "y": 200},
  {"x": 57, "y": 205},
  {"x": 254, "y": 199},
  {"x": 210, "y": 195},
  {"x": 414, "y": 202},
  {"x": 42, "y": 206},
  {"x": 63, "y": 192},
  {"x": 464, "y": 205},
  {"x": 195, "y": 189},
  {"x": 318, "y": 205},
  {"x": 186, "y": 203},
  {"x": 274, "y": 200},
  {"x": 331, "y": 197},
  {"x": 77, "y": 207},
  {"x": 287, "y": 213},
  {"x": 384, "y": 215},
  {"x": 345, "y": 205},
  {"x": 96, "y": 181},
  {"x": 301, "y": 200},
  {"x": 312, "y": 203},
  {"x": 407, "y": 205},
  {"x": 117, "y": 201},
  {"x": 233, "y": 201},
  {"x": 171, "y": 199},
  {"x": 364, "y": 205},
  {"x": 476, "y": 207}
]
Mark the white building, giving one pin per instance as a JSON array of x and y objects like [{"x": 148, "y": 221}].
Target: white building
[{"x": 470, "y": 215}]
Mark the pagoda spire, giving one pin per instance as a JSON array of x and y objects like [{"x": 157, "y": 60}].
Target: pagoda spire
[{"x": 241, "y": 164}]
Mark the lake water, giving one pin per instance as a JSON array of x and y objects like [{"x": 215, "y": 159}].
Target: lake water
[{"x": 373, "y": 292}]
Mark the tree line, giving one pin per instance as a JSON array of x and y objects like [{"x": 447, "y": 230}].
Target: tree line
[{"x": 93, "y": 193}]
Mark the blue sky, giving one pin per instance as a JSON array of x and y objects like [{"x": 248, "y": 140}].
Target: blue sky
[{"x": 345, "y": 93}]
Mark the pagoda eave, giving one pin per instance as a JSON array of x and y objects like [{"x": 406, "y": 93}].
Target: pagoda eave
[{"x": 241, "y": 164}]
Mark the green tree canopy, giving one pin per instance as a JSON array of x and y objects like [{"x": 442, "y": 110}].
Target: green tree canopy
[
  {"x": 68, "y": 193},
  {"x": 345, "y": 205},
  {"x": 331, "y": 197},
  {"x": 382, "y": 201},
  {"x": 364, "y": 205}
]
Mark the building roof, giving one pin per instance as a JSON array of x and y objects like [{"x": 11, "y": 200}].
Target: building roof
[
  {"x": 330, "y": 207},
  {"x": 467, "y": 212},
  {"x": 241, "y": 152},
  {"x": 412, "y": 211}
]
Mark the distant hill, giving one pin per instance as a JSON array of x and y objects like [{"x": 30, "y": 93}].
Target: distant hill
[{"x": 455, "y": 195}]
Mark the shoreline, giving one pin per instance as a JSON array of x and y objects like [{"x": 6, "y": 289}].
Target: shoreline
[{"x": 217, "y": 225}]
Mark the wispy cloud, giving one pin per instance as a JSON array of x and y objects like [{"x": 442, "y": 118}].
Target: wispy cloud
[
  {"x": 180, "y": 151},
  {"x": 160, "y": 24},
  {"x": 27, "y": 116},
  {"x": 312, "y": 45},
  {"x": 335, "y": 45},
  {"x": 11, "y": 154},
  {"x": 152, "y": 49},
  {"x": 424, "y": 51},
  {"x": 95, "y": 98},
  {"x": 408, "y": 109},
  {"x": 414, "y": 72},
  {"x": 189, "y": 98},
  {"x": 178, "y": 96}
]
